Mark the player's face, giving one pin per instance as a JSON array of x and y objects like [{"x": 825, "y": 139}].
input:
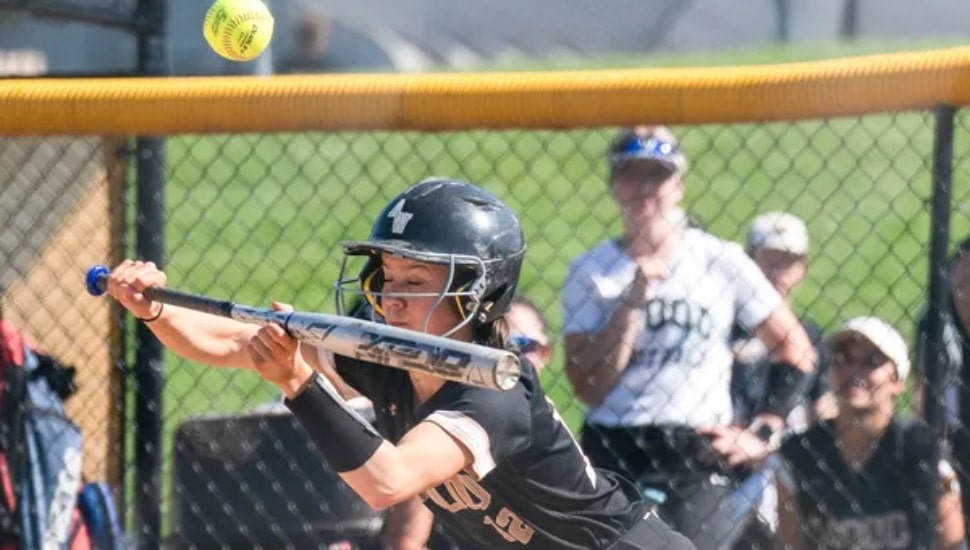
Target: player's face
[
  {"x": 405, "y": 276},
  {"x": 863, "y": 378},
  {"x": 783, "y": 269},
  {"x": 646, "y": 191},
  {"x": 526, "y": 327}
]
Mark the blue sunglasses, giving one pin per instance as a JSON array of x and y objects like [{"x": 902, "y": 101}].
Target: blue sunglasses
[
  {"x": 524, "y": 344},
  {"x": 636, "y": 147}
]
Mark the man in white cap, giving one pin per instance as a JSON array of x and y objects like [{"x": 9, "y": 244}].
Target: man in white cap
[
  {"x": 853, "y": 481},
  {"x": 778, "y": 243}
]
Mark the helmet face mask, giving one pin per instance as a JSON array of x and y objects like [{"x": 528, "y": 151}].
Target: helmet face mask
[
  {"x": 368, "y": 284},
  {"x": 450, "y": 223}
]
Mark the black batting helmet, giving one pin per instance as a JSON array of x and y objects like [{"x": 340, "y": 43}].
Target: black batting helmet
[{"x": 452, "y": 223}]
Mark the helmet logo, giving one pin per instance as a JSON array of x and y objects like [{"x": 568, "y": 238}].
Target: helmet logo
[{"x": 400, "y": 217}]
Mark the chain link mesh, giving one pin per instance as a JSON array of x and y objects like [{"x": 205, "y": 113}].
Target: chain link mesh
[
  {"x": 256, "y": 218},
  {"x": 259, "y": 217},
  {"x": 61, "y": 205}
]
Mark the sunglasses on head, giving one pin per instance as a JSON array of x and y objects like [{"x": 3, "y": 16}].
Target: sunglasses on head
[
  {"x": 637, "y": 147},
  {"x": 524, "y": 344}
]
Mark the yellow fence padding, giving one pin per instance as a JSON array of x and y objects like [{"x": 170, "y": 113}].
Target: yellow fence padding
[{"x": 535, "y": 100}]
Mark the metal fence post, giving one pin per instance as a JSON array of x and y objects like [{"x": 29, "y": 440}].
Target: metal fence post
[
  {"x": 149, "y": 243},
  {"x": 849, "y": 23},
  {"x": 783, "y": 20},
  {"x": 938, "y": 281}
]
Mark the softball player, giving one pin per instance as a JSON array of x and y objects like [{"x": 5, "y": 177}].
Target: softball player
[
  {"x": 497, "y": 469},
  {"x": 853, "y": 482}
]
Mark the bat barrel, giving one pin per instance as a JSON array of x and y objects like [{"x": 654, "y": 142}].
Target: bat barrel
[
  {"x": 407, "y": 349},
  {"x": 396, "y": 347}
]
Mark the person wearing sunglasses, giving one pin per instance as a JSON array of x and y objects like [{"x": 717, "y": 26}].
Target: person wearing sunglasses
[
  {"x": 647, "y": 330},
  {"x": 854, "y": 481},
  {"x": 528, "y": 332}
]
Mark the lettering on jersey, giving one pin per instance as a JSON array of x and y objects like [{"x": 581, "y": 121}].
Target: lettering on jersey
[
  {"x": 511, "y": 527},
  {"x": 679, "y": 313},
  {"x": 878, "y": 532},
  {"x": 463, "y": 493},
  {"x": 657, "y": 356},
  {"x": 687, "y": 319},
  {"x": 387, "y": 350},
  {"x": 400, "y": 217}
]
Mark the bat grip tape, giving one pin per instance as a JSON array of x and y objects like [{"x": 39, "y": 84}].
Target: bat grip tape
[{"x": 341, "y": 435}]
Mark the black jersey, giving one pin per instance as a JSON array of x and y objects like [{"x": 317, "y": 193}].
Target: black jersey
[
  {"x": 870, "y": 508},
  {"x": 529, "y": 485}
]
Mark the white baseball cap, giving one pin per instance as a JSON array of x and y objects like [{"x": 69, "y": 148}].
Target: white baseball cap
[
  {"x": 779, "y": 231},
  {"x": 881, "y": 334}
]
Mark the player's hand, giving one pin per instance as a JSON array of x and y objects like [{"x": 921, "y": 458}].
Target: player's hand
[
  {"x": 733, "y": 446},
  {"x": 276, "y": 356},
  {"x": 650, "y": 272},
  {"x": 127, "y": 282}
]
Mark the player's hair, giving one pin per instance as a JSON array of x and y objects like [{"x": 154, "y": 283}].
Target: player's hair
[{"x": 494, "y": 334}]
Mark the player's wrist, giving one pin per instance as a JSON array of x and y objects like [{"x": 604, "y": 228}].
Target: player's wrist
[
  {"x": 155, "y": 310},
  {"x": 295, "y": 385}
]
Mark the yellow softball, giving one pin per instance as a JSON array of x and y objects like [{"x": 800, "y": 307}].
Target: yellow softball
[{"x": 238, "y": 29}]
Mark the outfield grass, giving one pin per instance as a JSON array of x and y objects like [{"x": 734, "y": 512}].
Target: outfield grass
[{"x": 259, "y": 217}]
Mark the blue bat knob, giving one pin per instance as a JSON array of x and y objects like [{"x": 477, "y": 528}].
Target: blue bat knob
[{"x": 96, "y": 280}]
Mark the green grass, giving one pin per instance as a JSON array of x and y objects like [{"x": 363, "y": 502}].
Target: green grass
[{"x": 259, "y": 217}]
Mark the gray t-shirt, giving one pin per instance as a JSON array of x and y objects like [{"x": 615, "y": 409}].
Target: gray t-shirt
[{"x": 680, "y": 371}]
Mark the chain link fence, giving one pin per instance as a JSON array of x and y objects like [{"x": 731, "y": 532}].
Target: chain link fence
[
  {"x": 257, "y": 218},
  {"x": 62, "y": 207}
]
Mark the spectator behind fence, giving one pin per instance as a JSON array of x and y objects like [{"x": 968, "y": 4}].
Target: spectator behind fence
[
  {"x": 529, "y": 332},
  {"x": 647, "y": 325},
  {"x": 954, "y": 332},
  {"x": 778, "y": 242},
  {"x": 852, "y": 482},
  {"x": 956, "y": 344}
]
